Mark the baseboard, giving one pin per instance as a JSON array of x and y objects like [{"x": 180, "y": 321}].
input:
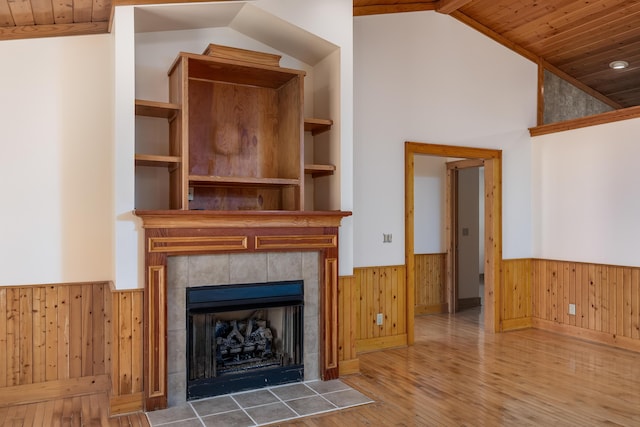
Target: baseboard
[
  {"x": 49, "y": 390},
  {"x": 381, "y": 343},
  {"x": 515, "y": 324},
  {"x": 589, "y": 335},
  {"x": 127, "y": 403},
  {"x": 469, "y": 303},
  {"x": 348, "y": 367},
  {"x": 431, "y": 309}
]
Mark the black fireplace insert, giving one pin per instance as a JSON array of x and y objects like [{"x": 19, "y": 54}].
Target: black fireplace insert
[{"x": 242, "y": 337}]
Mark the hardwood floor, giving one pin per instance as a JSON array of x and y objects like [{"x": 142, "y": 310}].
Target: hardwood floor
[
  {"x": 457, "y": 375},
  {"x": 90, "y": 410}
]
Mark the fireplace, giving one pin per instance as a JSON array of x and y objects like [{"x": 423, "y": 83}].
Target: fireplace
[
  {"x": 175, "y": 239},
  {"x": 242, "y": 337}
]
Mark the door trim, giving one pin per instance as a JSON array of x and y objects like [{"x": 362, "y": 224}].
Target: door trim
[
  {"x": 451, "y": 226},
  {"x": 493, "y": 226}
]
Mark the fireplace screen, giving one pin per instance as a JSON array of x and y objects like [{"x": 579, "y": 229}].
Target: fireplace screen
[{"x": 243, "y": 336}]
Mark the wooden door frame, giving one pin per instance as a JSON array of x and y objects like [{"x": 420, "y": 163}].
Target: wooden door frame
[
  {"x": 451, "y": 226},
  {"x": 492, "y": 219}
]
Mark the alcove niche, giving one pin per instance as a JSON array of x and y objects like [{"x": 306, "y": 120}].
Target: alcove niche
[{"x": 163, "y": 31}]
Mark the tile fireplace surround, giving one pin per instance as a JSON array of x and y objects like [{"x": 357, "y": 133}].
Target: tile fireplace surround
[
  {"x": 222, "y": 269},
  {"x": 195, "y": 248}
]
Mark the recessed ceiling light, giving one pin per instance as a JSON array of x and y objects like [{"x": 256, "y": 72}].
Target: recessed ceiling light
[{"x": 619, "y": 65}]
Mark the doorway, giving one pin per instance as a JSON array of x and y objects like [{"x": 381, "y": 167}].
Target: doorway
[
  {"x": 466, "y": 216},
  {"x": 492, "y": 225}
]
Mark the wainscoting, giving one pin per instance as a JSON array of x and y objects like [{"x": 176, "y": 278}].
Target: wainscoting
[
  {"x": 60, "y": 340},
  {"x": 54, "y": 340},
  {"x": 606, "y": 298},
  {"x": 430, "y": 283},
  {"x": 516, "y": 294},
  {"x": 80, "y": 339},
  {"x": 361, "y": 297},
  {"x": 126, "y": 351}
]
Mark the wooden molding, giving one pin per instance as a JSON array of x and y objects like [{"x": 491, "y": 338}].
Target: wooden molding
[
  {"x": 239, "y": 219},
  {"x": 197, "y": 244},
  {"x": 38, "y": 392},
  {"x": 465, "y": 164},
  {"x": 53, "y": 30},
  {"x": 448, "y": 6},
  {"x": 597, "y": 119},
  {"x": 587, "y": 334},
  {"x": 395, "y": 8},
  {"x": 493, "y": 227},
  {"x": 373, "y": 344},
  {"x": 432, "y": 309},
  {"x": 515, "y": 324},
  {"x": 348, "y": 367},
  {"x": 127, "y": 403}
]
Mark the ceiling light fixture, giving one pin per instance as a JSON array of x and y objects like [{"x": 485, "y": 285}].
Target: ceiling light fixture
[{"x": 619, "y": 65}]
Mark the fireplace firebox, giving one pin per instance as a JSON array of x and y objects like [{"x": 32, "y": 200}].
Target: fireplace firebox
[{"x": 244, "y": 336}]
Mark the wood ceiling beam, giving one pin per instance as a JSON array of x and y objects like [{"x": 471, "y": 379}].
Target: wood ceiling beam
[
  {"x": 54, "y": 30},
  {"x": 393, "y": 8},
  {"x": 448, "y": 6}
]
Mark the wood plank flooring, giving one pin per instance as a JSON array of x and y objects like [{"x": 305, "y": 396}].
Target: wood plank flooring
[
  {"x": 456, "y": 375},
  {"x": 89, "y": 410}
]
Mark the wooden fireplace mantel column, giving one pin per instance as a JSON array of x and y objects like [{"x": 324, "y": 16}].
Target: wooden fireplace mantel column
[{"x": 177, "y": 232}]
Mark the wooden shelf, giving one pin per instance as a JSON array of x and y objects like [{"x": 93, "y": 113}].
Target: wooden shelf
[
  {"x": 156, "y": 160},
  {"x": 317, "y": 171},
  {"x": 203, "y": 180},
  {"x": 161, "y": 110},
  {"x": 317, "y": 126}
]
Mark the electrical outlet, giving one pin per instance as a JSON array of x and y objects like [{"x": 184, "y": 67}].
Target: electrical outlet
[
  {"x": 379, "y": 319},
  {"x": 190, "y": 194},
  {"x": 572, "y": 309},
  {"x": 386, "y": 238}
]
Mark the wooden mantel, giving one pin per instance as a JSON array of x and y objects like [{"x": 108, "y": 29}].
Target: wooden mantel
[{"x": 182, "y": 232}]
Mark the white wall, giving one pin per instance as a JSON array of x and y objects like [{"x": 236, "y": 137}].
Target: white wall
[
  {"x": 586, "y": 194},
  {"x": 429, "y": 183},
  {"x": 426, "y": 77},
  {"x": 55, "y": 181}
]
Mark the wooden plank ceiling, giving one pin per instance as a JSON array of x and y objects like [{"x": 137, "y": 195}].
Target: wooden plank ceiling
[{"x": 575, "y": 38}]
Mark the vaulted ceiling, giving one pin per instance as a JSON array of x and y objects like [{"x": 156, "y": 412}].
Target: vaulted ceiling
[{"x": 576, "y": 39}]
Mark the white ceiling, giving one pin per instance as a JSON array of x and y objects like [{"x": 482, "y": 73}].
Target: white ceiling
[{"x": 242, "y": 16}]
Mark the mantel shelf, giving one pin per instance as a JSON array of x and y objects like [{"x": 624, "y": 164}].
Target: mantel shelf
[
  {"x": 317, "y": 126},
  {"x": 239, "y": 219}
]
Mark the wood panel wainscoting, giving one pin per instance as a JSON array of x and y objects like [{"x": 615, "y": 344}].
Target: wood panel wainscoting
[
  {"x": 126, "y": 351},
  {"x": 430, "y": 281},
  {"x": 516, "y": 293},
  {"x": 54, "y": 341},
  {"x": 347, "y": 324},
  {"x": 380, "y": 290},
  {"x": 606, "y": 299}
]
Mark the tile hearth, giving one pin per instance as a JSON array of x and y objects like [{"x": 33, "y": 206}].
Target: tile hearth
[{"x": 261, "y": 407}]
